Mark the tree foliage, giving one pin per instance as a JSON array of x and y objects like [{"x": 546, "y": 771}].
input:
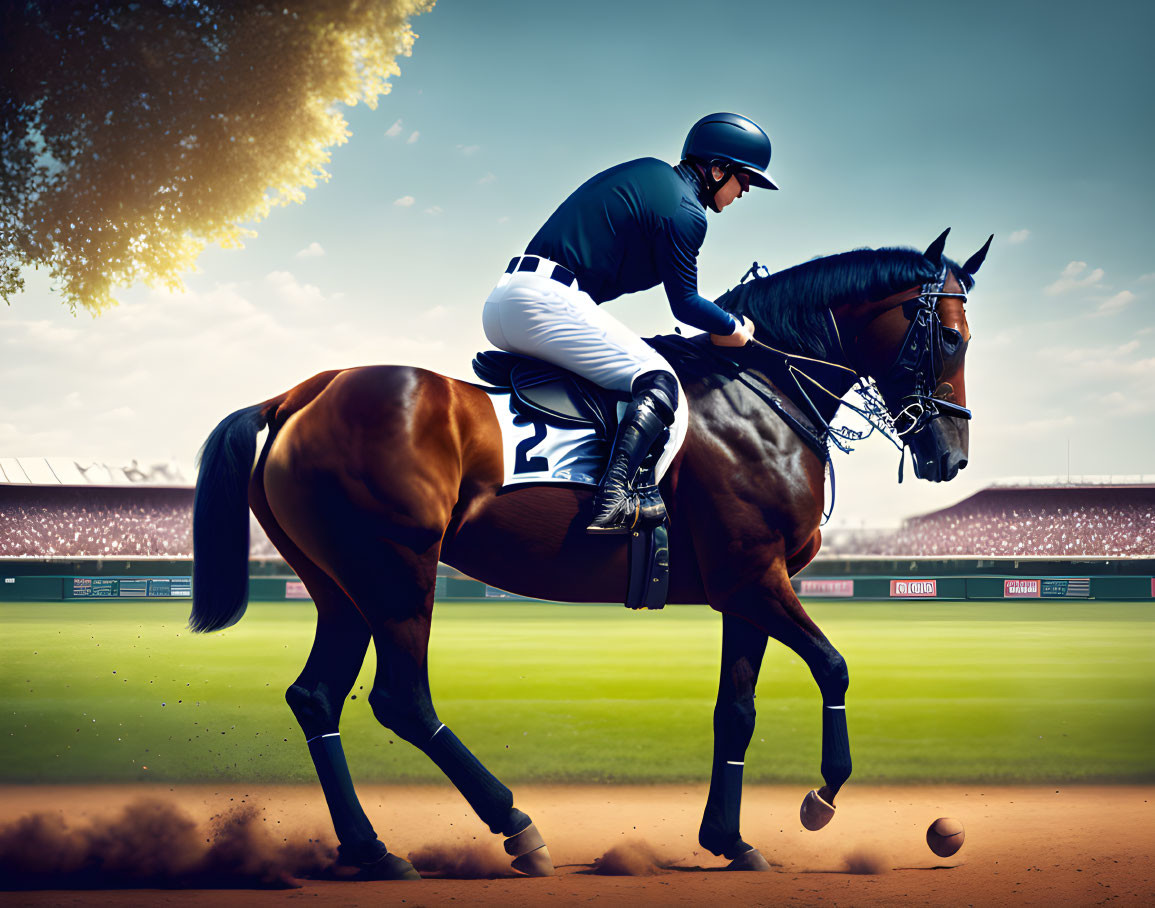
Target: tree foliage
[{"x": 133, "y": 134}]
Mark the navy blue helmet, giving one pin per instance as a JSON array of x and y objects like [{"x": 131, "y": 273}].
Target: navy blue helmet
[{"x": 733, "y": 140}]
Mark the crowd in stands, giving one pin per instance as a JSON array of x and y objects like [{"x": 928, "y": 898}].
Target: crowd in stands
[
  {"x": 1060, "y": 522},
  {"x": 1022, "y": 522},
  {"x": 102, "y": 523}
]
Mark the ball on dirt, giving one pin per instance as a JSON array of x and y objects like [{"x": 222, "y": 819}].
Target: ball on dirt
[{"x": 945, "y": 836}]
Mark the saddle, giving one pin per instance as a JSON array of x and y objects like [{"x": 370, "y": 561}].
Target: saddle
[
  {"x": 549, "y": 393},
  {"x": 542, "y": 392}
]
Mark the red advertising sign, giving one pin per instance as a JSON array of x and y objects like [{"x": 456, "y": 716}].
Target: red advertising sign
[
  {"x": 294, "y": 589},
  {"x": 914, "y": 589},
  {"x": 1153, "y": 587},
  {"x": 1020, "y": 589},
  {"x": 842, "y": 589}
]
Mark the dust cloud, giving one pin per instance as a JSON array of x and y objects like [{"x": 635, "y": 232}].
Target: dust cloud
[
  {"x": 152, "y": 844},
  {"x": 633, "y": 858},
  {"x": 867, "y": 860},
  {"x": 462, "y": 862}
]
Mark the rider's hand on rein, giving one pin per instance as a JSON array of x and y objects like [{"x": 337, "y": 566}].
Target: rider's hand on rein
[{"x": 740, "y": 337}]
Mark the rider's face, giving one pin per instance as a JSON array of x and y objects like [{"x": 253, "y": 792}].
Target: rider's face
[{"x": 730, "y": 190}]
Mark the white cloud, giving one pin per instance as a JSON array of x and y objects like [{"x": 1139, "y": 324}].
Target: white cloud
[
  {"x": 504, "y": 219},
  {"x": 213, "y": 350},
  {"x": 21, "y": 440},
  {"x": 1129, "y": 347},
  {"x": 286, "y": 289},
  {"x": 406, "y": 201},
  {"x": 434, "y": 209},
  {"x": 1120, "y": 404},
  {"x": 1046, "y": 424},
  {"x": 395, "y": 130},
  {"x": 1116, "y": 303},
  {"x": 1019, "y": 236},
  {"x": 413, "y": 137},
  {"x": 1073, "y": 277},
  {"x": 42, "y": 333},
  {"x": 469, "y": 149},
  {"x": 1106, "y": 363},
  {"x": 488, "y": 178},
  {"x": 1149, "y": 276},
  {"x": 312, "y": 251}
]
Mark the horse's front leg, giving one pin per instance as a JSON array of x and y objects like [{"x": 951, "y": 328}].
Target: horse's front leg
[
  {"x": 789, "y": 623},
  {"x": 829, "y": 670},
  {"x": 771, "y": 605},
  {"x": 743, "y": 646}
]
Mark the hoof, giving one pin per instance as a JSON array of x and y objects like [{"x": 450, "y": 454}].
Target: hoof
[
  {"x": 536, "y": 863},
  {"x": 530, "y": 856},
  {"x": 751, "y": 860},
  {"x": 815, "y": 812},
  {"x": 386, "y": 867}
]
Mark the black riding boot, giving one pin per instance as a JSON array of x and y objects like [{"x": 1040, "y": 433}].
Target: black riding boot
[{"x": 615, "y": 504}]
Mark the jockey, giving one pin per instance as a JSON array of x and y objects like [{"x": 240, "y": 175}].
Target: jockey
[{"x": 629, "y": 228}]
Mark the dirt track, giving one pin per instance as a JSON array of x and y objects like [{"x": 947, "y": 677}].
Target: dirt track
[{"x": 1024, "y": 846}]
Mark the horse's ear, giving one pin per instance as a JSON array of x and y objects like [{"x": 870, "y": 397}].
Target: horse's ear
[
  {"x": 934, "y": 250},
  {"x": 975, "y": 261}
]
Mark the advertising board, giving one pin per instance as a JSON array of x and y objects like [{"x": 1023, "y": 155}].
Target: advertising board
[
  {"x": 1020, "y": 588},
  {"x": 914, "y": 589},
  {"x": 1066, "y": 588},
  {"x": 127, "y": 587},
  {"x": 833, "y": 589}
]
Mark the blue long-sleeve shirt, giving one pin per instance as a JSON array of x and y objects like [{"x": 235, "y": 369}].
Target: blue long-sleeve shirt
[{"x": 633, "y": 227}]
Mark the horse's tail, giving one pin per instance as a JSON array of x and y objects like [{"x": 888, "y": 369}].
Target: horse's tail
[{"x": 220, "y": 582}]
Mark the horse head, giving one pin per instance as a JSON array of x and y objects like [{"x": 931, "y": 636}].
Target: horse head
[
  {"x": 913, "y": 344},
  {"x": 893, "y": 315}
]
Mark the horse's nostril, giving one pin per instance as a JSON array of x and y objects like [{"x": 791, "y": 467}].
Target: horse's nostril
[{"x": 962, "y": 464}]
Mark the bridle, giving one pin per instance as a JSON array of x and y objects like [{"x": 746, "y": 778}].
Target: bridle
[
  {"x": 922, "y": 356},
  {"x": 917, "y": 365}
]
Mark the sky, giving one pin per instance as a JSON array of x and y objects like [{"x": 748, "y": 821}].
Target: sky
[{"x": 890, "y": 121}]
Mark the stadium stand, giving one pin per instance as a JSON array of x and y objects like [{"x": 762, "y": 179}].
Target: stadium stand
[
  {"x": 1073, "y": 521},
  {"x": 38, "y": 521},
  {"x": 147, "y": 512},
  {"x": 101, "y": 522},
  {"x": 62, "y": 507}
]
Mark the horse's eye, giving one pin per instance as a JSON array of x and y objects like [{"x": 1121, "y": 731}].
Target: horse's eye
[{"x": 951, "y": 340}]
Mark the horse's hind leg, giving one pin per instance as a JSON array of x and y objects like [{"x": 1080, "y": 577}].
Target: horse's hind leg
[
  {"x": 401, "y": 701},
  {"x": 743, "y": 646},
  {"x": 316, "y": 699}
]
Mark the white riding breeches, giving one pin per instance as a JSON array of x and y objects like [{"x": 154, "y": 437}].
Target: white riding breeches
[{"x": 530, "y": 313}]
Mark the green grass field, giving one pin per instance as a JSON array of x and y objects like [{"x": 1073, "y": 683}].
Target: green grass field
[{"x": 940, "y": 692}]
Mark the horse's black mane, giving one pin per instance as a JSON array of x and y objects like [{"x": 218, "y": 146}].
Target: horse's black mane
[{"x": 790, "y": 306}]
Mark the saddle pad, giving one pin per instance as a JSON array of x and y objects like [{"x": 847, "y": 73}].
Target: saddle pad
[{"x": 536, "y": 452}]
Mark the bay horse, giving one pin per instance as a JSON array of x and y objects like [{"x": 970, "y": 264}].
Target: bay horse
[{"x": 369, "y": 476}]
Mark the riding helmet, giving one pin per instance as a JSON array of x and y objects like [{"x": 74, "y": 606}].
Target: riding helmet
[{"x": 733, "y": 139}]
